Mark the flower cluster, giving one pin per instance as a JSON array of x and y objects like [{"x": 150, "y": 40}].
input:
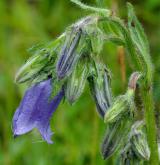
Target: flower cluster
[
  {"x": 60, "y": 70},
  {"x": 123, "y": 130}
]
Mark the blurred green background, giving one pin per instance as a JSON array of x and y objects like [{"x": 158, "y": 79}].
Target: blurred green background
[{"x": 78, "y": 129}]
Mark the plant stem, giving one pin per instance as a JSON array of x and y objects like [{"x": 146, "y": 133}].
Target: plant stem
[
  {"x": 102, "y": 11},
  {"x": 147, "y": 95}
]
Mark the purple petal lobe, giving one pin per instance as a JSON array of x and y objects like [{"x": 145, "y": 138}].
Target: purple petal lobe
[{"x": 36, "y": 109}]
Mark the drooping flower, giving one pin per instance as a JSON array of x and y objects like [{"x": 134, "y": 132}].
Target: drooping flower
[{"x": 36, "y": 109}]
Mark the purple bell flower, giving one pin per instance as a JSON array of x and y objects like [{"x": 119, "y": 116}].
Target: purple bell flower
[{"x": 36, "y": 109}]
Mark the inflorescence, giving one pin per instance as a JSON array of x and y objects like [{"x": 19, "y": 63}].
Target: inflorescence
[{"x": 60, "y": 70}]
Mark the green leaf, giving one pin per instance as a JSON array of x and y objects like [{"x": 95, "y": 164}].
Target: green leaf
[
  {"x": 137, "y": 32},
  {"x": 135, "y": 57},
  {"x": 140, "y": 41}
]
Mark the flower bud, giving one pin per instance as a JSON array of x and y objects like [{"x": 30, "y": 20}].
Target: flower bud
[
  {"x": 100, "y": 88},
  {"x": 136, "y": 149},
  {"x": 128, "y": 156},
  {"x": 86, "y": 21},
  {"x": 76, "y": 82},
  {"x": 32, "y": 66},
  {"x": 122, "y": 104},
  {"x": 115, "y": 136},
  {"x": 41, "y": 64},
  {"x": 97, "y": 38},
  {"x": 139, "y": 141},
  {"x": 69, "y": 56}
]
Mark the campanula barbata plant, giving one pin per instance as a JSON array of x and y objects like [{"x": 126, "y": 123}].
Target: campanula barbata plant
[{"x": 60, "y": 70}]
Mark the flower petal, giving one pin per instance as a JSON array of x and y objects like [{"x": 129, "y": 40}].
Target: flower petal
[{"x": 36, "y": 110}]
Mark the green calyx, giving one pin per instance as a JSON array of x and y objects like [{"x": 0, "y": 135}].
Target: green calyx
[
  {"x": 76, "y": 81},
  {"x": 41, "y": 64},
  {"x": 123, "y": 104}
]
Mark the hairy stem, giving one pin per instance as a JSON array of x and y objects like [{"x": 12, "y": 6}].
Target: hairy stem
[
  {"x": 102, "y": 11},
  {"x": 147, "y": 95}
]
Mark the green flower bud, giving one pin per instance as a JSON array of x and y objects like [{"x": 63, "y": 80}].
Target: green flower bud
[
  {"x": 128, "y": 157},
  {"x": 96, "y": 36},
  {"x": 99, "y": 82},
  {"x": 115, "y": 137},
  {"x": 139, "y": 141},
  {"x": 123, "y": 104},
  {"x": 32, "y": 66},
  {"x": 40, "y": 65},
  {"x": 136, "y": 149},
  {"x": 76, "y": 45},
  {"x": 76, "y": 82}
]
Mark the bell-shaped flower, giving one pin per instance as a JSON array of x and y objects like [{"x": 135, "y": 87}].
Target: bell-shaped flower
[{"x": 36, "y": 109}]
